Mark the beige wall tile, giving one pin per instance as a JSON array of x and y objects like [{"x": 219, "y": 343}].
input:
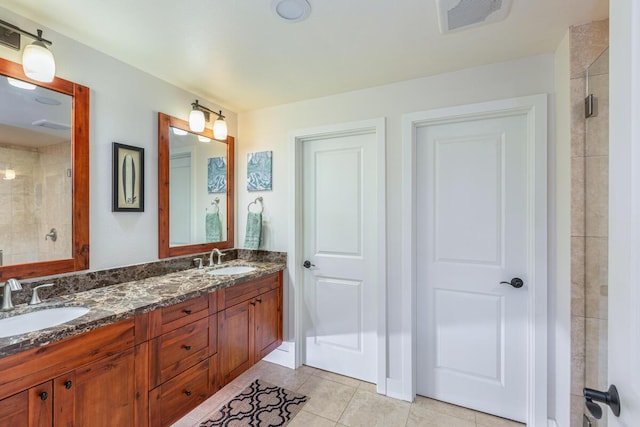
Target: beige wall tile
[
  {"x": 596, "y": 354},
  {"x": 586, "y": 43},
  {"x": 578, "y": 124},
  {"x": 577, "y": 196},
  {"x": 577, "y": 276},
  {"x": 577, "y": 336},
  {"x": 597, "y": 270},
  {"x": 577, "y": 409},
  {"x": 597, "y": 196},
  {"x": 597, "y": 126},
  {"x": 577, "y": 375}
]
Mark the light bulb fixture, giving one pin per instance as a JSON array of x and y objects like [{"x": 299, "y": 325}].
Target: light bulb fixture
[
  {"x": 21, "y": 84},
  {"x": 37, "y": 61},
  {"x": 200, "y": 115},
  {"x": 9, "y": 174}
]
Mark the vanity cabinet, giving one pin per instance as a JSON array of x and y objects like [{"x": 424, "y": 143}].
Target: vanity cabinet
[
  {"x": 183, "y": 359},
  {"x": 32, "y": 407},
  {"x": 76, "y": 381},
  {"x": 250, "y": 324},
  {"x": 149, "y": 370}
]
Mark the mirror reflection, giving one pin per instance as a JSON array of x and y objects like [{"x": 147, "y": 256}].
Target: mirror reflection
[
  {"x": 198, "y": 189},
  {"x": 35, "y": 173}
]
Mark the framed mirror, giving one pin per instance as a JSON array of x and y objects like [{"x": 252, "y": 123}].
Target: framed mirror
[
  {"x": 44, "y": 175},
  {"x": 195, "y": 189}
]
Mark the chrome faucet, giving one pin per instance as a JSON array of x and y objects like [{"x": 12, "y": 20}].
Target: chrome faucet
[
  {"x": 9, "y": 285},
  {"x": 217, "y": 252}
]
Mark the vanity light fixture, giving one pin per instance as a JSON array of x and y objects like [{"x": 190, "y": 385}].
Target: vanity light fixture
[
  {"x": 37, "y": 61},
  {"x": 21, "y": 84},
  {"x": 9, "y": 174},
  {"x": 200, "y": 115}
]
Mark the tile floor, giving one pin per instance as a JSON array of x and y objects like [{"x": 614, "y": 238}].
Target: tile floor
[{"x": 338, "y": 401}]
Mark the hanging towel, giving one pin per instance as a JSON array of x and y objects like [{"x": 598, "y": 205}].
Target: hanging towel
[
  {"x": 213, "y": 227},
  {"x": 254, "y": 231}
]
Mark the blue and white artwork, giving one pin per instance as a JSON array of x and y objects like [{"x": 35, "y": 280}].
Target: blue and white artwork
[
  {"x": 217, "y": 175},
  {"x": 259, "y": 171}
]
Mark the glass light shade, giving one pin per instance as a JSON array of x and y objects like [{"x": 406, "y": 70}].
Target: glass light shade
[
  {"x": 20, "y": 84},
  {"x": 9, "y": 174},
  {"x": 38, "y": 63},
  {"x": 196, "y": 120},
  {"x": 220, "y": 129}
]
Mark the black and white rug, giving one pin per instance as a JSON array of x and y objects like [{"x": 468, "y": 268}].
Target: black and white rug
[{"x": 259, "y": 405}]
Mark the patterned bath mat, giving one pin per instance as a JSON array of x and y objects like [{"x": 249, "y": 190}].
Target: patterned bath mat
[{"x": 259, "y": 405}]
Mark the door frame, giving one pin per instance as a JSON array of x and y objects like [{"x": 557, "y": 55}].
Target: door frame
[
  {"x": 295, "y": 254},
  {"x": 535, "y": 108}
]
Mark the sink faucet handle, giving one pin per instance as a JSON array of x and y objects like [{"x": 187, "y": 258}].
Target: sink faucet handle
[
  {"x": 13, "y": 284},
  {"x": 198, "y": 263},
  {"x": 35, "y": 298}
]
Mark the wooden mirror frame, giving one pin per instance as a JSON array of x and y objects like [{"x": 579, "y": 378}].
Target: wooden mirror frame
[
  {"x": 80, "y": 194},
  {"x": 165, "y": 123}
]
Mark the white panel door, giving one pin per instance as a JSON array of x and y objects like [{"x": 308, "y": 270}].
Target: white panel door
[
  {"x": 180, "y": 199},
  {"x": 340, "y": 238},
  {"x": 471, "y": 201}
]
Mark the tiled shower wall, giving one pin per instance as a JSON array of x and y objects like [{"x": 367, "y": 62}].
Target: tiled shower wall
[
  {"x": 38, "y": 199},
  {"x": 589, "y": 219}
]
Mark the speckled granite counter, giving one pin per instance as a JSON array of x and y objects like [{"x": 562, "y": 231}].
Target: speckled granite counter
[{"x": 117, "y": 302}]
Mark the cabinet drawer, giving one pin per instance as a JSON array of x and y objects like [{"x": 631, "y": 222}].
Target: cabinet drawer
[
  {"x": 184, "y": 309},
  {"x": 176, "y": 397},
  {"x": 178, "y": 350},
  {"x": 237, "y": 294}
]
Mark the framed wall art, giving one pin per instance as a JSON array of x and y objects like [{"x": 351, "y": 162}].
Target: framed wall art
[
  {"x": 128, "y": 178},
  {"x": 259, "y": 171}
]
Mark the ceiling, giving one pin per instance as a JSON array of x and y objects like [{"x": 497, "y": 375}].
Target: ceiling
[{"x": 239, "y": 54}]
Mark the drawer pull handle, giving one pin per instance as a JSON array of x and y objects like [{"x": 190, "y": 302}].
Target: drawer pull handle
[
  {"x": 253, "y": 303},
  {"x": 44, "y": 395},
  {"x": 259, "y": 300},
  {"x": 187, "y": 347},
  {"x": 187, "y": 311},
  {"x": 68, "y": 384},
  {"x": 187, "y": 392}
]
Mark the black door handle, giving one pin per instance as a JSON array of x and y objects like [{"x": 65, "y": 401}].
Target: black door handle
[
  {"x": 516, "y": 282},
  {"x": 68, "y": 384},
  {"x": 307, "y": 264},
  {"x": 609, "y": 397}
]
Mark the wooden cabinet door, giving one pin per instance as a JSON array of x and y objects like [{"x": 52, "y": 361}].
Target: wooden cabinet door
[
  {"x": 236, "y": 344},
  {"x": 31, "y": 408},
  {"x": 100, "y": 394},
  {"x": 267, "y": 321}
]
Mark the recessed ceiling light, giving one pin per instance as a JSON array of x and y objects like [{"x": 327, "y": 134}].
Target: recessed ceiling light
[
  {"x": 47, "y": 101},
  {"x": 291, "y": 10},
  {"x": 20, "y": 84}
]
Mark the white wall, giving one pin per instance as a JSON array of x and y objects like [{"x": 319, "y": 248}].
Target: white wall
[
  {"x": 124, "y": 108},
  {"x": 559, "y": 380},
  {"x": 269, "y": 128}
]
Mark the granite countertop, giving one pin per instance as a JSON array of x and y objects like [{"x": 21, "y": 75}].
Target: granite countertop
[{"x": 117, "y": 302}]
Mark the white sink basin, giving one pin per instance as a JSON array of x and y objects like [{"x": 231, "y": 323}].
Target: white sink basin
[
  {"x": 229, "y": 271},
  {"x": 37, "y": 320}
]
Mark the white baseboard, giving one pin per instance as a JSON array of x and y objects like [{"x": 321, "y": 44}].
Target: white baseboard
[
  {"x": 396, "y": 389},
  {"x": 285, "y": 355}
]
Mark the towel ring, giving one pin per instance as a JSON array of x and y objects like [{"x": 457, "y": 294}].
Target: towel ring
[
  {"x": 255, "y": 202},
  {"x": 215, "y": 203}
]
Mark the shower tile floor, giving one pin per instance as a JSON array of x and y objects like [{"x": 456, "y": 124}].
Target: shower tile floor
[{"x": 338, "y": 401}]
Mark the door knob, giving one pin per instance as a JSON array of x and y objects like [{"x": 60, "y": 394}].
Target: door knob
[
  {"x": 307, "y": 264},
  {"x": 609, "y": 397},
  {"x": 516, "y": 282}
]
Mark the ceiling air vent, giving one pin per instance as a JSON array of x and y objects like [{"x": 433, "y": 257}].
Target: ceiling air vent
[{"x": 456, "y": 15}]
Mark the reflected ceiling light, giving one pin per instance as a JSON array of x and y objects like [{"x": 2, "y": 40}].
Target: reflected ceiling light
[
  {"x": 291, "y": 10},
  {"x": 179, "y": 132},
  {"x": 20, "y": 84},
  {"x": 200, "y": 115},
  {"x": 9, "y": 174},
  {"x": 203, "y": 138},
  {"x": 37, "y": 61}
]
